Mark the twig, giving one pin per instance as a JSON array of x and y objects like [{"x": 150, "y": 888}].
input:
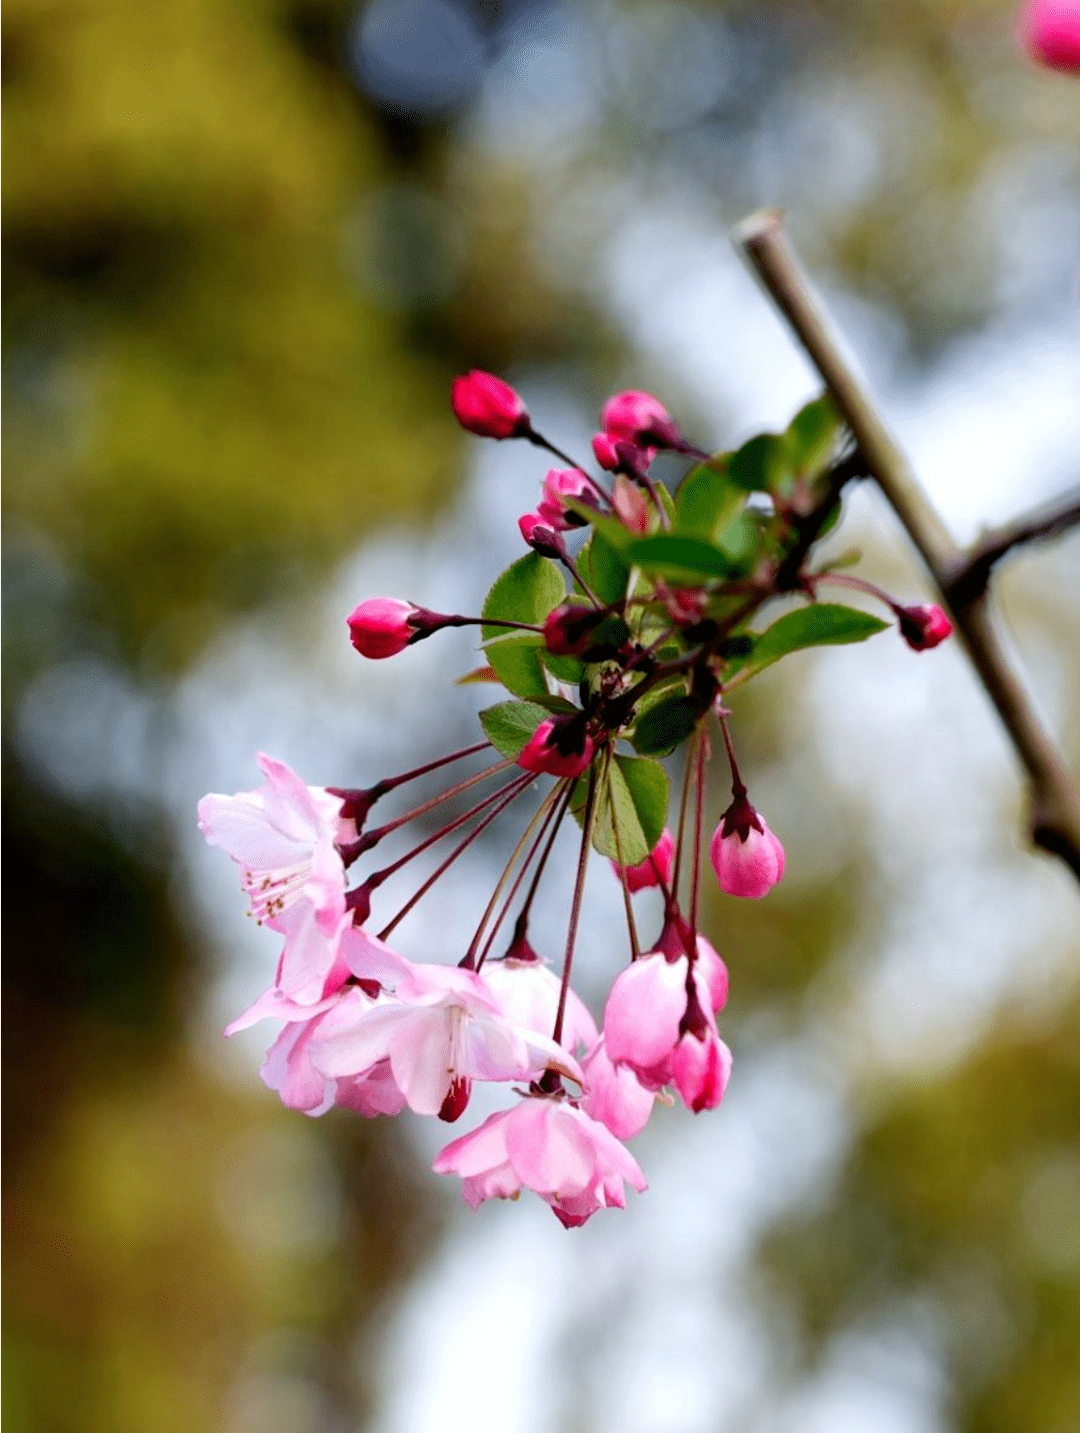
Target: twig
[
  {"x": 1055, "y": 799},
  {"x": 1049, "y": 521}
]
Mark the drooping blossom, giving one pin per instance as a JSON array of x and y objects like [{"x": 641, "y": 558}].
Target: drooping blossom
[
  {"x": 528, "y": 990},
  {"x": 656, "y": 867},
  {"x": 559, "y": 485},
  {"x": 560, "y": 746},
  {"x": 284, "y": 836},
  {"x": 380, "y": 626},
  {"x": 442, "y": 1029},
  {"x": 614, "y": 1095},
  {"x": 639, "y": 418},
  {"x": 535, "y": 527},
  {"x": 605, "y": 452},
  {"x": 923, "y": 627},
  {"x": 485, "y": 405},
  {"x": 546, "y": 1144},
  {"x": 747, "y": 858},
  {"x": 1049, "y": 30}
]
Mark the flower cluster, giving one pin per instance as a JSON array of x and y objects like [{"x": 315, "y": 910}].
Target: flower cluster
[{"x": 635, "y": 639}]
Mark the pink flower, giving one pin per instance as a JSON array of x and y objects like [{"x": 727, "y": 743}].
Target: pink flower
[
  {"x": 656, "y": 867},
  {"x": 614, "y": 1095},
  {"x": 536, "y": 529},
  {"x": 284, "y": 836},
  {"x": 380, "y": 626},
  {"x": 923, "y": 627},
  {"x": 487, "y": 406},
  {"x": 700, "y": 1068},
  {"x": 442, "y": 1029},
  {"x": 560, "y": 484},
  {"x": 747, "y": 858},
  {"x": 547, "y": 1145},
  {"x": 639, "y": 418},
  {"x": 528, "y": 992},
  {"x": 287, "y": 1067},
  {"x": 560, "y": 746},
  {"x": 1049, "y": 30},
  {"x": 605, "y": 452}
]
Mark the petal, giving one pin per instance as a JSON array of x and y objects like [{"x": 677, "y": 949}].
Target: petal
[
  {"x": 421, "y": 1057},
  {"x": 291, "y": 807},
  {"x": 372, "y": 959},
  {"x": 240, "y": 826},
  {"x": 643, "y": 1011},
  {"x": 356, "y": 1036},
  {"x": 287, "y": 1069},
  {"x": 550, "y": 1153},
  {"x": 481, "y": 1149},
  {"x": 274, "y": 1004},
  {"x": 309, "y": 954}
]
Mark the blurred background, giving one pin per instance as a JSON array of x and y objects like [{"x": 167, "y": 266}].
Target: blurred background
[{"x": 247, "y": 245}]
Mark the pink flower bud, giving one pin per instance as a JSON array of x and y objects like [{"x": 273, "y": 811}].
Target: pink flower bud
[
  {"x": 605, "y": 452},
  {"x": 536, "y": 529},
  {"x": 632, "y": 507},
  {"x": 1049, "y": 30},
  {"x": 559, "y": 746},
  {"x": 380, "y": 627},
  {"x": 640, "y": 418},
  {"x": 560, "y": 484},
  {"x": 747, "y": 858},
  {"x": 923, "y": 627},
  {"x": 700, "y": 1068},
  {"x": 656, "y": 866},
  {"x": 487, "y": 406}
]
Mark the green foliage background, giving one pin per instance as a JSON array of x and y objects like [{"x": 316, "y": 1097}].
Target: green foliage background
[{"x": 205, "y": 410}]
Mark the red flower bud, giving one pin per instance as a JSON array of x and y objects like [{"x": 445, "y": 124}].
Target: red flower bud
[
  {"x": 1049, "y": 30},
  {"x": 535, "y": 528},
  {"x": 380, "y": 627},
  {"x": 487, "y": 406},
  {"x": 639, "y": 418},
  {"x": 559, "y": 746},
  {"x": 656, "y": 867},
  {"x": 923, "y": 627}
]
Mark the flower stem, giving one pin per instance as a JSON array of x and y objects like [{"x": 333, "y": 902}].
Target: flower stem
[
  {"x": 468, "y": 962},
  {"x": 631, "y": 924},
  {"x": 548, "y": 810},
  {"x": 372, "y": 837},
  {"x": 701, "y": 753},
  {"x": 575, "y": 908},
  {"x": 684, "y": 799},
  {"x": 738, "y": 787}
]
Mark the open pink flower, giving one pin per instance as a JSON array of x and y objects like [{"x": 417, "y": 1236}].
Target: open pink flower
[
  {"x": 614, "y": 1095},
  {"x": 528, "y": 992},
  {"x": 547, "y": 1145},
  {"x": 656, "y": 867},
  {"x": 442, "y": 1028},
  {"x": 284, "y": 837},
  {"x": 747, "y": 858}
]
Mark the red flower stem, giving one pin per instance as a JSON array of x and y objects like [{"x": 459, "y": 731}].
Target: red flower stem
[
  {"x": 370, "y": 839},
  {"x": 388, "y": 784},
  {"x": 738, "y": 787},
  {"x": 547, "y": 810},
  {"x": 575, "y": 908},
  {"x": 566, "y": 800},
  {"x": 571, "y": 565},
  {"x": 454, "y": 854},
  {"x": 857, "y": 584},
  {"x": 490, "y": 622},
  {"x": 469, "y": 959},
  {"x": 684, "y": 799},
  {"x": 631, "y": 924},
  {"x": 516, "y": 786},
  {"x": 699, "y": 816}
]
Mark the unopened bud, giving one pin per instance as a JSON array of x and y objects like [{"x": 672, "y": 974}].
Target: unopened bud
[
  {"x": 536, "y": 529},
  {"x": 380, "y": 627},
  {"x": 641, "y": 419},
  {"x": 656, "y": 867},
  {"x": 487, "y": 406},
  {"x": 923, "y": 627},
  {"x": 1049, "y": 30},
  {"x": 747, "y": 858},
  {"x": 560, "y": 746},
  {"x": 560, "y": 484}
]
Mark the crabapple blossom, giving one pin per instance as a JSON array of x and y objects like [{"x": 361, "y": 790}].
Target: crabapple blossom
[
  {"x": 380, "y": 626},
  {"x": 632, "y": 506},
  {"x": 535, "y": 528},
  {"x": 639, "y": 418},
  {"x": 923, "y": 627},
  {"x": 528, "y": 992},
  {"x": 485, "y": 405},
  {"x": 1049, "y": 30},
  {"x": 560, "y": 746},
  {"x": 614, "y": 1095},
  {"x": 747, "y": 858},
  {"x": 285, "y": 838},
  {"x": 656, "y": 867},
  {"x": 549, "y": 1145},
  {"x": 560, "y": 484}
]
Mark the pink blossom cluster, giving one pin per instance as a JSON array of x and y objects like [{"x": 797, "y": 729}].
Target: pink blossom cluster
[{"x": 647, "y": 664}]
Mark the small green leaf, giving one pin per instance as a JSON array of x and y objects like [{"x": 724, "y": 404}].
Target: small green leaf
[
  {"x": 567, "y": 669},
  {"x": 708, "y": 501},
  {"x": 687, "y": 560},
  {"x": 811, "y": 437},
  {"x": 603, "y": 569},
  {"x": 665, "y": 726},
  {"x": 759, "y": 464},
  {"x": 821, "y": 625},
  {"x": 509, "y": 726},
  {"x": 525, "y": 592}
]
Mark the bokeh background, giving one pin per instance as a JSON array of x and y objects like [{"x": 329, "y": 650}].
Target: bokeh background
[{"x": 247, "y": 244}]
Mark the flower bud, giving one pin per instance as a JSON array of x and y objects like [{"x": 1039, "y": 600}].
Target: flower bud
[
  {"x": 923, "y": 627},
  {"x": 560, "y": 484},
  {"x": 1049, "y": 30},
  {"x": 641, "y": 419},
  {"x": 574, "y": 630},
  {"x": 747, "y": 858},
  {"x": 380, "y": 627},
  {"x": 632, "y": 506},
  {"x": 605, "y": 452},
  {"x": 656, "y": 867},
  {"x": 700, "y": 1068},
  {"x": 487, "y": 406},
  {"x": 535, "y": 528},
  {"x": 559, "y": 746}
]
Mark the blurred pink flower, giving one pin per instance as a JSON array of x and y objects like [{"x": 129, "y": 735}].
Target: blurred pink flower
[{"x": 1049, "y": 30}]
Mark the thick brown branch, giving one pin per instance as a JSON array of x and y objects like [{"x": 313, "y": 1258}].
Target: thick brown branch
[
  {"x": 1055, "y": 799},
  {"x": 1049, "y": 521}
]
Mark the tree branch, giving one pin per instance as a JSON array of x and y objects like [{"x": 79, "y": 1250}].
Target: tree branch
[
  {"x": 1049, "y": 521},
  {"x": 1055, "y": 798}
]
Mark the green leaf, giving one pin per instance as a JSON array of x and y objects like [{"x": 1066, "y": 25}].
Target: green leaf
[
  {"x": 525, "y": 592},
  {"x": 824, "y": 624},
  {"x": 665, "y": 726},
  {"x": 759, "y": 464},
  {"x": 637, "y": 788},
  {"x": 567, "y": 669},
  {"x": 811, "y": 437},
  {"x": 647, "y": 782},
  {"x": 688, "y": 560},
  {"x": 708, "y": 501},
  {"x": 603, "y": 569},
  {"x": 509, "y": 726}
]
